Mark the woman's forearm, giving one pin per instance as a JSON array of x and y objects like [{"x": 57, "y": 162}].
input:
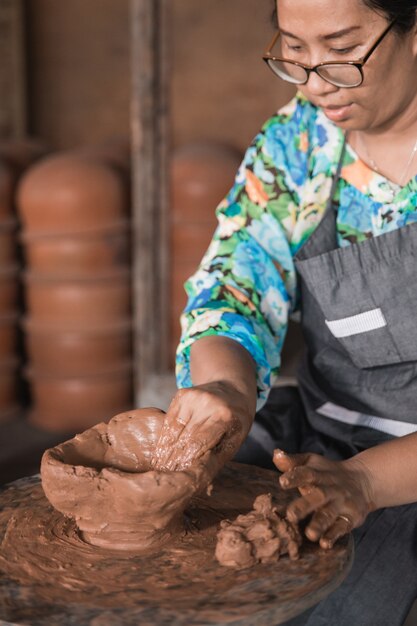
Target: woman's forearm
[
  {"x": 391, "y": 471},
  {"x": 217, "y": 358}
]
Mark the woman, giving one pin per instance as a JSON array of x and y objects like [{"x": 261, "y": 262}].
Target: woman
[{"x": 322, "y": 220}]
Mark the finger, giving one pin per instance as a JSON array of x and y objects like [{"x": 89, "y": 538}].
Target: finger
[
  {"x": 285, "y": 462},
  {"x": 301, "y": 507},
  {"x": 321, "y": 521},
  {"x": 340, "y": 527},
  {"x": 201, "y": 440},
  {"x": 300, "y": 477},
  {"x": 170, "y": 433}
]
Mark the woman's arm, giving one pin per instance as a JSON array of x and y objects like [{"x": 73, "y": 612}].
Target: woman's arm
[
  {"x": 223, "y": 360},
  {"x": 391, "y": 470},
  {"x": 340, "y": 494},
  {"x": 217, "y": 411}
]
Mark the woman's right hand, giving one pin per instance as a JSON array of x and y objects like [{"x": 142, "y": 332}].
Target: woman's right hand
[{"x": 214, "y": 415}]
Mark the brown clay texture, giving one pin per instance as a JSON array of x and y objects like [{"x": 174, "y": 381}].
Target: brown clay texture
[{"x": 50, "y": 577}]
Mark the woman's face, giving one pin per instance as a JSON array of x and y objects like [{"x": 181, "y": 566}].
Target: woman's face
[{"x": 388, "y": 93}]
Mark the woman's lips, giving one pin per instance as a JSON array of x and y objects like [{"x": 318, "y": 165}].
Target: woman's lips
[{"x": 337, "y": 113}]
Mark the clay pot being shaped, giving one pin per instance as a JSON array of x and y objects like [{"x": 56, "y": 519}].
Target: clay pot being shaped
[
  {"x": 8, "y": 242},
  {"x": 76, "y": 351},
  {"x": 104, "y": 480},
  {"x": 75, "y": 402},
  {"x": 106, "y": 248},
  {"x": 9, "y": 289},
  {"x": 66, "y": 193},
  {"x": 74, "y": 300}
]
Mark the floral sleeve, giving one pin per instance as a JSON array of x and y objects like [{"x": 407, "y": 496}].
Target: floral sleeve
[{"x": 245, "y": 287}]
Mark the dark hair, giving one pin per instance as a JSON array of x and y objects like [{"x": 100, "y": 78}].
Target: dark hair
[{"x": 404, "y": 12}]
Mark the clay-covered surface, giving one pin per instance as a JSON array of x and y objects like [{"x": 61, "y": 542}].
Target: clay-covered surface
[{"x": 49, "y": 577}]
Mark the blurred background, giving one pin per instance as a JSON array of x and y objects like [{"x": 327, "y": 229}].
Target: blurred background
[{"x": 122, "y": 125}]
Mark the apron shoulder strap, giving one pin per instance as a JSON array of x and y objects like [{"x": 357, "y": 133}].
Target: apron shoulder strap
[{"x": 338, "y": 170}]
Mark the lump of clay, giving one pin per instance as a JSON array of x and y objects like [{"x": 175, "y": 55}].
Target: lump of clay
[
  {"x": 261, "y": 536},
  {"x": 104, "y": 480}
]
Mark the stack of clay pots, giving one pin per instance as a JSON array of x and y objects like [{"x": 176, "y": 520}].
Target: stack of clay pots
[
  {"x": 9, "y": 296},
  {"x": 74, "y": 212},
  {"x": 201, "y": 174}
]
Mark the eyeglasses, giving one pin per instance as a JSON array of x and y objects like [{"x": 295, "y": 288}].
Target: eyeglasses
[{"x": 347, "y": 74}]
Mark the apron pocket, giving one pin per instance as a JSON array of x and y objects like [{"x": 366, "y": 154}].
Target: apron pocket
[{"x": 366, "y": 338}]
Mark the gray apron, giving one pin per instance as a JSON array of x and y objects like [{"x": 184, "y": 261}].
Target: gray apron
[{"x": 358, "y": 378}]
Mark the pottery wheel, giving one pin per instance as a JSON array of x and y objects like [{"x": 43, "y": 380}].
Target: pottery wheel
[{"x": 181, "y": 585}]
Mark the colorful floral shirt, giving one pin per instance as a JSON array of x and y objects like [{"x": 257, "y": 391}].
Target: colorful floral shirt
[{"x": 246, "y": 285}]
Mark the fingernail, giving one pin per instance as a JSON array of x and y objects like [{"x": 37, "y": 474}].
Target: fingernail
[{"x": 284, "y": 482}]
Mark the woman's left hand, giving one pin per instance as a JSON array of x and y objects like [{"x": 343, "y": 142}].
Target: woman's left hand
[{"x": 338, "y": 494}]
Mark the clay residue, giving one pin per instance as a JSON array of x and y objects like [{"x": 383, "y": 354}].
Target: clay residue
[
  {"x": 104, "y": 480},
  {"x": 261, "y": 536},
  {"x": 46, "y": 568}
]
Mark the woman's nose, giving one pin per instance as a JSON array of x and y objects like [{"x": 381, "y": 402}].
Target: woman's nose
[{"x": 317, "y": 86}]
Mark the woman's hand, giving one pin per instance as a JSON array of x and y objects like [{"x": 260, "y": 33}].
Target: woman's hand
[
  {"x": 338, "y": 494},
  {"x": 214, "y": 415}
]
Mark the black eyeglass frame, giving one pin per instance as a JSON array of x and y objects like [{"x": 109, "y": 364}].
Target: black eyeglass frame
[{"x": 267, "y": 56}]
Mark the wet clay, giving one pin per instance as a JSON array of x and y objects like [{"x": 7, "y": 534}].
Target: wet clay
[
  {"x": 261, "y": 536},
  {"x": 50, "y": 576},
  {"x": 104, "y": 479}
]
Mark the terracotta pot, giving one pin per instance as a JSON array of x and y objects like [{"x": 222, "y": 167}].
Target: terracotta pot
[
  {"x": 201, "y": 174},
  {"x": 8, "y": 385},
  {"x": 73, "y": 300},
  {"x": 9, "y": 289},
  {"x": 62, "y": 351},
  {"x": 66, "y": 193},
  {"x": 8, "y": 336},
  {"x": 8, "y": 242},
  {"x": 74, "y": 403},
  {"x": 106, "y": 248}
]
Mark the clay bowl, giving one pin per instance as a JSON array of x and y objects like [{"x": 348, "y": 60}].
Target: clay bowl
[
  {"x": 74, "y": 300},
  {"x": 8, "y": 335},
  {"x": 8, "y": 385},
  {"x": 104, "y": 480},
  {"x": 9, "y": 289},
  {"x": 65, "y": 351},
  {"x": 8, "y": 242},
  {"x": 66, "y": 193},
  {"x": 106, "y": 248},
  {"x": 71, "y": 403}
]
